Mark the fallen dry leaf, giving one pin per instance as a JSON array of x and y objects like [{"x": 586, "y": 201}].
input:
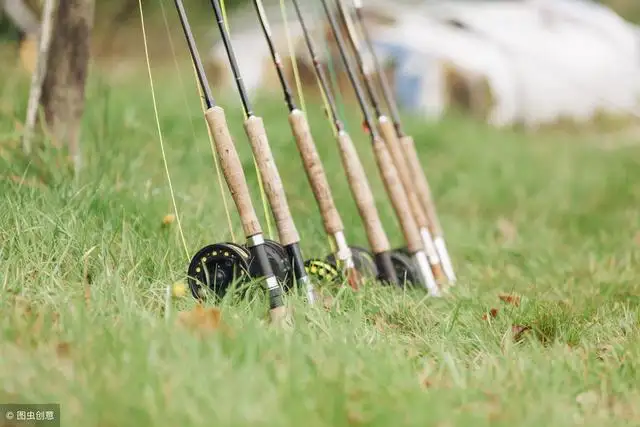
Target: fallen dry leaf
[
  {"x": 518, "y": 331},
  {"x": 512, "y": 299},
  {"x": 492, "y": 313},
  {"x": 425, "y": 382},
  {"x": 168, "y": 219},
  {"x": 355, "y": 417},
  {"x": 201, "y": 319},
  {"x": 63, "y": 349}
]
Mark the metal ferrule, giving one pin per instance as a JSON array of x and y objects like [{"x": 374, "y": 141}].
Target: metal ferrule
[
  {"x": 447, "y": 266},
  {"x": 424, "y": 268},
  {"x": 275, "y": 292},
  {"x": 429, "y": 246},
  {"x": 309, "y": 290},
  {"x": 272, "y": 283},
  {"x": 255, "y": 240},
  {"x": 343, "y": 251}
]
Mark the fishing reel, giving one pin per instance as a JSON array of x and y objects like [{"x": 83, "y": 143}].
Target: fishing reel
[
  {"x": 221, "y": 266},
  {"x": 364, "y": 263},
  {"x": 406, "y": 270},
  {"x": 327, "y": 269}
]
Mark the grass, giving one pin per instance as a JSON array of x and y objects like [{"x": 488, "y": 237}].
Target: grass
[{"x": 552, "y": 220}]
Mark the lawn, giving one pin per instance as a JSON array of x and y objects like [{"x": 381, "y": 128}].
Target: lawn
[{"x": 542, "y": 329}]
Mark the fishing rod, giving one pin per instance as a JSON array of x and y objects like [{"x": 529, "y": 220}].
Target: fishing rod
[
  {"x": 390, "y": 137},
  {"x": 407, "y": 147},
  {"x": 257, "y": 135},
  {"x": 216, "y": 265},
  {"x": 314, "y": 169},
  {"x": 385, "y": 260},
  {"x": 388, "y": 171}
]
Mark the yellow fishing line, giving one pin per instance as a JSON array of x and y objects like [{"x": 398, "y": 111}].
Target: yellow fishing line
[
  {"x": 175, "y": 62},
  {"x": 188, "y": 109},
  {"x": 157, "y": 117},
  {"x": 292, "y": 56},
  {"x": 263, "y": 194}
]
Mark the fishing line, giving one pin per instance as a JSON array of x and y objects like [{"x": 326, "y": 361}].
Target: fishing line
[
  {"x": 292, "y": 56},
  {"x": 333, "y": 77},
  {"x": 193, "y": 129},
  {"x": 157, "y": 117}
]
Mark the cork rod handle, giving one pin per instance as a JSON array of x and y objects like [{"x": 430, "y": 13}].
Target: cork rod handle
[
  {"x": 254, "y": 127},
  {"x": 422, "y": 185},
  {"x": 315, "y": 172},
  {"x": 398, "y": 197},
  {"x": 359, "y": 185},
  {"x": 232, "y": 170},
  {"x": 397, "y": 155}
]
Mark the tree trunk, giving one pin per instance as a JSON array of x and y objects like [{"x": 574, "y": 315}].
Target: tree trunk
[
  {"x": 63, "y": 91},
  {"x": 38, "y": 73}
]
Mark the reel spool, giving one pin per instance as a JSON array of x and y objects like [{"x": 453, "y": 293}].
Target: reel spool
[
  {"x": 215, "y": 267},
  {"x": 406, "y": 270},
  {"x": 322, "y": 270},
  {"x": 362, "y": 260},
  {"x": 280, "y": 264}
]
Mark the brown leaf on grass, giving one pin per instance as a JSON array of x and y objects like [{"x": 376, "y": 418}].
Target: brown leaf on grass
[
  {"x": 492, "y": 313},
  {"x": 63, "y": 349},
  {"x": 425, "y": 382},
  {"x": 168, "y": 220},
  {"x": 518, "y": 331},
  {"x": 512, "y": 299},
  {"x": 201, "y": 319},
  {"x": 355, "y": 417},
  {"x": 428, "y": 377}
]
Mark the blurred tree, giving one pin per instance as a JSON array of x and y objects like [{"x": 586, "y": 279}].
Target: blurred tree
[
  {"x": 64, "y": 84},
  {"x": 628, "y": 9}
]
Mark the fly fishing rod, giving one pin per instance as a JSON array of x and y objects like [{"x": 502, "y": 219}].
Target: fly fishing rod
[
  {"x": 388, "y": 171},
  {"x": 314, "y": 169},
  {"x": 407, "y": 146},
  {"x": 257, "y": 135},
  {"x": 390, "y": 137},
  {"x": 220, "y": 263},
  {"x": 386, "y": 261}
]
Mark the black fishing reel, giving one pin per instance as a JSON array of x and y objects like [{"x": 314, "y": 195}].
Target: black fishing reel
[
  {"x": 220, "y": 266},
  {"x": 327, "y": 269},
  {"x": 406, "y": 269}
]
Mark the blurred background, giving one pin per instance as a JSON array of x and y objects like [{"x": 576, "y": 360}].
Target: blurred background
[{"x": 509, "y": 63}]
